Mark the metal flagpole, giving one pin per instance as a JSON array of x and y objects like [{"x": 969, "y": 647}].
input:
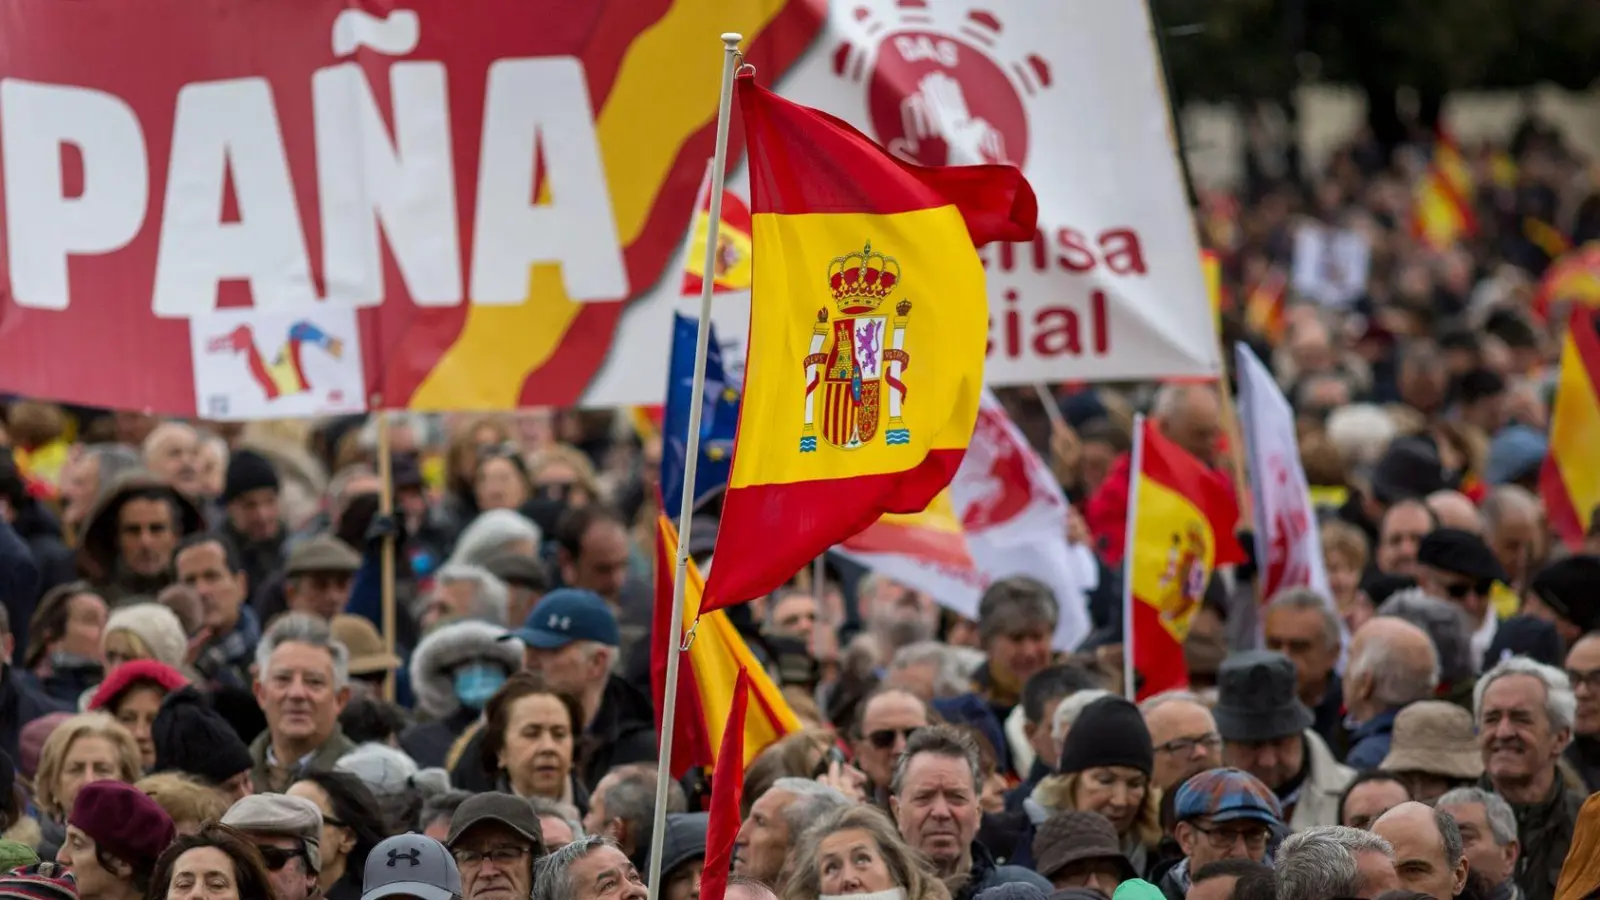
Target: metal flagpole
[
  {"x": 730, "y": 60},
  {"x": 1135, "y": 465},
  {"x": 386, "y": 559}
]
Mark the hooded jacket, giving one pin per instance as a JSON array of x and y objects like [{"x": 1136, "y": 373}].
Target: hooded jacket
[
  {"x": 98, "y": 553},
  {"x": 449, "y": 646}
]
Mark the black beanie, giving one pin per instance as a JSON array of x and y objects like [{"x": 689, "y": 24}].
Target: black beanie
[
  {"x": 192, "y": 738},
  {"x": 247, "y": 471},
  {"x": 1109, "y": 732}
]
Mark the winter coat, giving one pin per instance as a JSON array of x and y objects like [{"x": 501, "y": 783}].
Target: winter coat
[
  {"x": 261, "y": 559},
  {"x": 986, "y": 874},
  {"x": 21, "y": 701},
  {"x": 19, "y": 583},
  {"x": 447, "y": 647},
  {"x": 1544, "y": 830},
  {"x": 1326, "y": 778},
  {"x": 98, "y": 553},
  {"x": 275, "y": 779}
]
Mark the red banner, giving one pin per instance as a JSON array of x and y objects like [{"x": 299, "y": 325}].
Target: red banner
[{"x": 170, "y": 159}]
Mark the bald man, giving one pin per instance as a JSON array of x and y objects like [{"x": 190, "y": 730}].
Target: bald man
[
  {"x": 1428, "y": 853},
  {"x": 1453, "y": 509},
  {"x": 1392, "y": 662},
  {"x": 1190, "y": 415},
  {"x": 1514, "y": 530},
  {"x": 172, "y": 452},
  {"x": 1184, "y": 735}
]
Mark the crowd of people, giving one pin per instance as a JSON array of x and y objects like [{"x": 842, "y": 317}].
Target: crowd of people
[{"x": 196, "y": 693}]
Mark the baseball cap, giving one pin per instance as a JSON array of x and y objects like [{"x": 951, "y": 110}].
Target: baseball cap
[
  {"x": 1227, "y": 795},
  {"x": 567, "y": 615},
  {"x": 411, "y": 865},
  {"x": 511, "y": 811}
]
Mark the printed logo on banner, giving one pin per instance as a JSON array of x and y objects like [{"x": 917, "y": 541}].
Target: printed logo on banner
[
  {"x": 250, "y": 364},
  {"x": 943, "y": 99}
]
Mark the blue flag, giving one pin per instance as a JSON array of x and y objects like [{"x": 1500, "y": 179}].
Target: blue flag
[{"x": 719, "y": 417}]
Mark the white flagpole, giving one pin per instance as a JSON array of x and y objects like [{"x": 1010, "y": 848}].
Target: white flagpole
[
  {"x": 730, "y": 58},
  {"x": 1135, "y": 465}
]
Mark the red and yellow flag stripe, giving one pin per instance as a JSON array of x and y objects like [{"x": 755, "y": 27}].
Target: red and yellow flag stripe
[{"x": 1570, "y": 479}]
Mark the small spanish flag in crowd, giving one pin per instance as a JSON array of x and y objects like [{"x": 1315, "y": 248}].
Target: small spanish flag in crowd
[
  {"x": 1442, "y": 200},
  {"x": 868, "y": 329},
  {"x": 1211, "y": 267},
  {"x": 1182, "y": 518},
  {"x": 708, "y": 671},
  {"x": 1574, "y": 278},
  {"x": 731, "y": 266},
  {"x": 1570, "y": 479},
  {"x": 1265, "y": 307}
]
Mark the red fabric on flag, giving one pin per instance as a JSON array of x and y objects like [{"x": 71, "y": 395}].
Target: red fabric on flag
[
  {"x": 727, "y": 791},
  {"x": 691, "y": 744}
]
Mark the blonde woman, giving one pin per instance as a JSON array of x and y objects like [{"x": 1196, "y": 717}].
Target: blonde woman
[
  {"x": 189, "y": 803},
  {"x": 1105, "y": 768},
  {"x": 82, "y": 750},
  {"x": 856, "y": 851}
]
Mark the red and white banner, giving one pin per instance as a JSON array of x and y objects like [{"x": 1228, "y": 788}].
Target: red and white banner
[
  {"x": 1288, "y": 548},
  {"x": 491, "y": 186},
  {"x": 1004, "y": 514}
]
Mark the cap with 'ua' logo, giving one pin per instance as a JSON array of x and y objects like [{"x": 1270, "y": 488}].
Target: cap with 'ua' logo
[
  {"x": 566, "y": 615},
  {"x": 411, "y": 865}
]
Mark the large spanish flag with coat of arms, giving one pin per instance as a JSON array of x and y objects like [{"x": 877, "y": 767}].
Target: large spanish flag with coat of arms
[
  {"x": 1569, "y": 482},
  {"x": 868, "y": 330},
  {"x": 1181, "y": 518}
]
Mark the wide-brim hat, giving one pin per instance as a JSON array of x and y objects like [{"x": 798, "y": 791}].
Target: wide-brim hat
[{"x": 1434, "y": 737}]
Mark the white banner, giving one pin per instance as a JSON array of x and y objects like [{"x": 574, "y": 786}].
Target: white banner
[
  {"x": 1014, "y": 518},
  {"x": 1288, "y": 547},
  {"x": 1111, "y": 286}
]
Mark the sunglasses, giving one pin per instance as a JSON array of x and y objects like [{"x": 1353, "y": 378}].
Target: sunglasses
[
  {"x": 883, "y": 738},
  {"x": 1459, "y": 591},
  {"x": 277, "y": 857}
]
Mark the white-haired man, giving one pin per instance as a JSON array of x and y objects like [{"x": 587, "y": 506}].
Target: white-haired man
[
  {"x": 1392, "y": 663},
  {"x": 302, "y": 684},
  {"x": 1525, "y": 711},
  {"x": 1335, "y": 861},
  {"x": 1488, "y": 837}
]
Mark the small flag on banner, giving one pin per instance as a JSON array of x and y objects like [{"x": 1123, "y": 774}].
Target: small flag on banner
[{"x": 731, "y": 265}]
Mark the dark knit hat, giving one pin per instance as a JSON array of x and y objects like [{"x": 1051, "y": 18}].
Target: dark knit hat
[
  {"x": 123, "y": 821},
  {"x": 40, "y": 881},
  {"x": 247, "y": 471},
  {"x": 1568, "y": 587},
  {"x": 1409, "y": 468},
  {"x": 1460, "y": 552},
  {"x": 1109, "y": 732},
  {"x": 192, "y": 738},
  {"x": 1074, "y": 836}
]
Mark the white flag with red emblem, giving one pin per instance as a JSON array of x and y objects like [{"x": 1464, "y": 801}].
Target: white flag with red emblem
[
  {"x": 1288, "y": 548},
  {"x": 1004, "y": 514}
]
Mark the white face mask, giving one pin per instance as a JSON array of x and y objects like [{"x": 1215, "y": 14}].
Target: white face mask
[{"x": 894, "y": 893}]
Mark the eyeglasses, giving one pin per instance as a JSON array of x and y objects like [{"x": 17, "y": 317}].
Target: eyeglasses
[
  {"x": 277, "y": 857},
  {"x": 503, "y": 855},
  {"x": 1223, "y": 838},
  {"x": 883, "y": 738},
  {"x": 1185, "y": 745},
  {"x": 1459, "y": 591},
  {"x": 1589, "y": 679},
  {"x": 330, "y": 820}
]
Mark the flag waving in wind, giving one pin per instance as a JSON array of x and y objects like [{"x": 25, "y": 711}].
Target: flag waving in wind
[
  {"x": 1570, "y": 480},
  {"x": 1287, "y": 546},
  {"x": 868, "y": 330},
  {"x": 718, "y": 417},
  {"x": 731, "y": 268}
]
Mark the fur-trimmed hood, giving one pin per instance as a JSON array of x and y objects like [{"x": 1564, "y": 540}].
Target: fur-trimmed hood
[{"x": 449, "y": 646}]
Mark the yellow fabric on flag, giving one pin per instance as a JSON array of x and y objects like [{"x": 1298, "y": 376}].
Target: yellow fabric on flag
[
  {"x": 738, "y": 275},
  {"x": 939, "y": 516},
  {"x": 1167, "y": 528},
  {"x": 942, "y": 279},
  {"x": 717, "y": 653},
  {"x": 1575, "y": 430}
]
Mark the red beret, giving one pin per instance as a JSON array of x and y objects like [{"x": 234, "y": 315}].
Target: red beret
[{"x": 134, "y": 672}]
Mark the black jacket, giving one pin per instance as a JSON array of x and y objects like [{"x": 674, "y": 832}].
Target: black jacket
[
  {"x": 21, "y": 701},
  {"x": 19, "y": 583},
  {"x": 429, "y": 743},
  {"x": 1545, "y": 831},
  {"x": 623, "y": 731},
  {"x": 986, "y": 874}
]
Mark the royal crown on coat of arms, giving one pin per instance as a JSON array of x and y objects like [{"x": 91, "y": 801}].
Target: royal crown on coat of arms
[
  {"x": 856, "y": 359},
  {"x": 860, "y": 282}
]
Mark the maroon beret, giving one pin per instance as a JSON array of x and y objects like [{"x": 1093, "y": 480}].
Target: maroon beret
[{"x": 124, "y": 822}]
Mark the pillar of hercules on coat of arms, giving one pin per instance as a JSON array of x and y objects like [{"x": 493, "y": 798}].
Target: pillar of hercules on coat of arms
[{"x": 857, "y": 357}]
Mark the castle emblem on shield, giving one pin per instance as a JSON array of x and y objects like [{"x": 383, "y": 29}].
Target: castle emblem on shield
[{"x": 857, "y": 357}]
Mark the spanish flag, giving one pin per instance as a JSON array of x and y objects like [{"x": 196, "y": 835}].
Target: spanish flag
[
  {"x": 1181, "y": 524},
  {"x": 1570, "y": 480},
  {"x": 868, "y": 329},
  {"x": 1574, "y": 278},
  {"x": 731, "y": 268},
  {"x": 1442, "y": 200},
  {"x": 1265, "y": 310},
  {"x": 1211, "y": 267},
  {"x": 708, "y": 671}
]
